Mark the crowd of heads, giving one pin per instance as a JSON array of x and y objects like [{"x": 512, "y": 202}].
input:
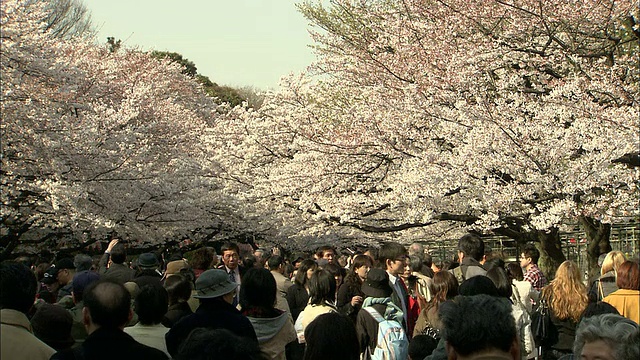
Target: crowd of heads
[{"x": 207, "y": 276}]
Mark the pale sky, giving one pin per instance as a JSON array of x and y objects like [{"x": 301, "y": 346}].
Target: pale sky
[{"x": 233, "y": 42}]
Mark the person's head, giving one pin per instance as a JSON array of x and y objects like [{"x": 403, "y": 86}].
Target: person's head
[
  {"x": 490, "y": 331},
  {"x": 306, "y": 269},
  {"x": 107, "y": 304},
  {"x": 322, "y": 288},
  {"x": 488, "y": 255},
  {"x": 416, "y": 249},
  {"x": 148, "y": 261},
  {"x": 372, "y": 252},
  {"x": 258, "y": 289},
  {"x": 276, "y": 263},
  {"x": 336, "y": 271},
  {"x": 65, "y": 271},
  {"x": 331, "y": 336},
  {"x": 377, "y": 284},
  {"x": 470, "y": 245},
  {"x": 567, "y": 291},
  {"x": 415, "y": 263},
  {"x": 118, "y": 253},
  {"x": 178, "y": 288},
  {"x": 628, "y": 276},
  {"x": 477, "y": 285},
  {"x": 80, "y": 282},
  {"x": 213, "y": 344},
  {"x": 17, "y": 287},
  {"x": 204, "y": 258},
  {"x": 82, "y": 262},
  {"x": 52, "y": 324},
  {"x": 493, "y": 262},
  {"x": 501, "y": 280},
  {"x": 421, "y": 346},
  {"x": 515, "y": 271},
  {"x": 328, "y": 253},
  {"x": 598, "y": 308},
  {"x": 612, "y": 261},
  {"x": 230, "y": 255},
  {"x": 529, "y": 256},
  {"x": 443, "y": 287},
  {"x": 607, "y": 337},
  {"x": 151, "y": 304},
  {"x": 361, "y": 266},
  {"x": 393, "y": 257},
  {"x": 215, "y": 284}
]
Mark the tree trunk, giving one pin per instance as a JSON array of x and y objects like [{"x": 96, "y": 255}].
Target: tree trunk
[
  {"x": 597, "y": 242},
  {"x": 551, "y": 255}
]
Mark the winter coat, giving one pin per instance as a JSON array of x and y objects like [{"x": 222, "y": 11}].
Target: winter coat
[{"x": 274, "y": 334}]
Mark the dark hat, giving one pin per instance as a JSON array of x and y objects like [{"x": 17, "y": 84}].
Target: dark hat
[
  {"x": 65, "y": 263},
  {"x": 377, "y": 284},
  {"x": 82, "y": 262},
  {"x": 82, "y": 279},
  {"x": 148, "y": 260},
  {"x": 213, "y": 283},
  {"x": 50, "y": 275},
  {"x": 52, "y": 324}
]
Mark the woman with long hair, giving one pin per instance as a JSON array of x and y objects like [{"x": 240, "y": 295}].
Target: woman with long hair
[
  {"x": 298, "y": 293},
  {"x": 274, "y": 327},
  {"x": 566, "y": 297},
  {"x": 606, "y": 283},
  {"x": 322, "y": 291},
  {"x": 350, "y": 295},
  {"x": 443, "y": 288},
  {"x": 627, "y": 298}
]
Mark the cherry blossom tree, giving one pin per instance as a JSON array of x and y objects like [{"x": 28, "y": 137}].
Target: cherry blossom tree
[
  {"x": 98, "y": 143},
  {"x": 426, "y": 118}
]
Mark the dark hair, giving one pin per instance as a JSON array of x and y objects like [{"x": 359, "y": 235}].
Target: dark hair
[
  {"x": 335, "y": 270},
  {"x": 151, "y": 304},
  {"x": 322, "y": 288},
  {"x": 301, "y": 275},
  {"x": 325, "y": 248},
  {"x": 501, "y": 280},
  {"x": 598, "y": 308},
  {"x": 493, "y": 327},
  {"x": 628, "y": 276},
  {"x": 258, "y": 290},
  {"x": 274, "y": 262},
  {"x": 530, "y": 251},
  {"x": 213, "y": 344},
  {"x": 427, "y": 260},
  {"x": 494, "y": 263},
  {"x": 230, "y": 246},
  {"x": 471, "y": 245},
  {"x": 331, "y": 336},
  {"x": 415, "y": 263},
  {"x": 249, "y": 261},
  {"x": 358, "y": 262},
  {"x": 118, "y": 253},
  {"x": 203, "y": 258},
  {"x": 17, "y": 287},
  {"x": 374, "y": 251},
  {"x": 178, "y": 288},
  {"x": 108, "y": 302},
  {"x": 515, "y": 271},
  {"x": 390, "y": 251},
  {"x": 422, "y": 346},
  {"x": 477, "y": 285}
]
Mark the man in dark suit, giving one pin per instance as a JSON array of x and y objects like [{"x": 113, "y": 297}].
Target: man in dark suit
[
  {"x": 231, "y": 265},
  {"x": 118, "y": 271},
  {"x": 107, "y": 308}
]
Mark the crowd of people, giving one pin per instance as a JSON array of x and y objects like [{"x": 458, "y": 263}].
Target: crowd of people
[{"x": 387, "y": 302}]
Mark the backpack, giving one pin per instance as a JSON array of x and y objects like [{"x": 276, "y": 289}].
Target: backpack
[
  {"x": 457, "y": 272},
  {"x": 392, "y": 342}
]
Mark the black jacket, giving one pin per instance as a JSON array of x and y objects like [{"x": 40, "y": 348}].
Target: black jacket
[
  {"x": 117, "y": 272},
  {"x": 109, "y": 344},
  {"x": 175, "y": 313},
  {"x": 297, "y": 298},
  {"x": 212, "y": 314},
  {"x": 349, "y": 289}
]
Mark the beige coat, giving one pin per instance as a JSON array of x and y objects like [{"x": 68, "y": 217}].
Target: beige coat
[{"x": 17, "y": 339}]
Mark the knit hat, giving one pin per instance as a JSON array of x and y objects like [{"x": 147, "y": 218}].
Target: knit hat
[
  {"x": 214, "y": 283},
  {"x": 52, "y": 324},
  {"x": 83, "y": 279},
  {"x": 377, "y": 284}
]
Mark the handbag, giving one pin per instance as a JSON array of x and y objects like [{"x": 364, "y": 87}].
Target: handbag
[{"x": 544, "y": 331}]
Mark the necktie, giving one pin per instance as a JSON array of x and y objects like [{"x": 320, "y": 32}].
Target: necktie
[{"x": 232, "y": 277}]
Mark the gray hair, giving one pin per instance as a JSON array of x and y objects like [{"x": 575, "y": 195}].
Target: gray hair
[{"x": 620, "y": 333}]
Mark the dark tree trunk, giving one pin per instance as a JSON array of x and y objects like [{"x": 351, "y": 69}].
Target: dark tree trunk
[
  {"x": 597, "y": 242},
  {"x": 551, "y": 255}
]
